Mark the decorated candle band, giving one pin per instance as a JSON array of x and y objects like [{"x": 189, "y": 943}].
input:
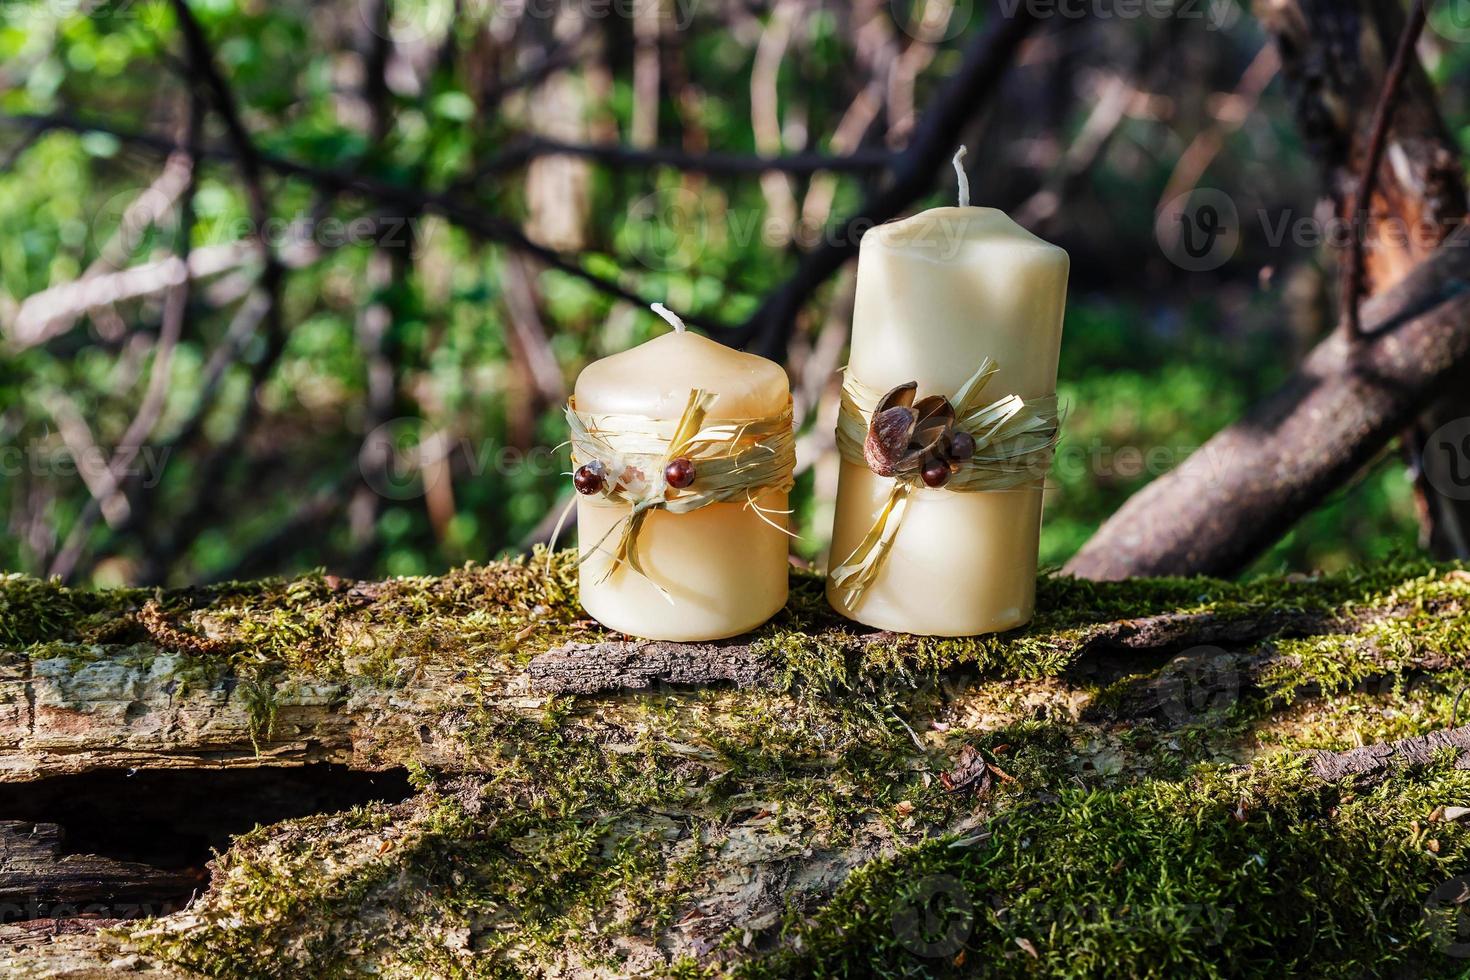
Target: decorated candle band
[
  {"x": 678, "y": 466},
  {"x": 962, "y": 444}
]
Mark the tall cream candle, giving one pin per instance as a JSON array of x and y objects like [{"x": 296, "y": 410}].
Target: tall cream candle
[
  {"x": 710, "y": 573},
  {"x": 936, "y": 294}
]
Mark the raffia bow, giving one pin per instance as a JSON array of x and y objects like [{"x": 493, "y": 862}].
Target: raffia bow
[
  {"x": 734, "y": 460},
  {"x": 1014, "y": 442}
]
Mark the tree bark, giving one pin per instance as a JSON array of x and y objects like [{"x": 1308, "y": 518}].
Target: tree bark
[
  {"x": 776, "y": 764},
  {"x": 1334, "y": 60},
  {"x": 37, "y": 877},
  {"x": 1249, "y": 483},
  {"x": 1264, "y": 473}
]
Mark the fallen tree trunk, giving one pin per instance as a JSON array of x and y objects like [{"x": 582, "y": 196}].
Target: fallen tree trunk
[
  {"x": 1335, "y": 59},
  {"x": 435, "y": 799},
  {"x": 1250, "y": 482},
  {"x": 1311, "y": 437}
]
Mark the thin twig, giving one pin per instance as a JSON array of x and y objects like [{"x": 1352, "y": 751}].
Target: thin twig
[
  {"x": 620, "y": 157},
  {"x": 113, "y": 496},
  {"x": 412, "y": 200},
  {"x": 1352, "y": 288},
  {"x": 251, "y": 164},
  {"x": 765, "y": 114}
]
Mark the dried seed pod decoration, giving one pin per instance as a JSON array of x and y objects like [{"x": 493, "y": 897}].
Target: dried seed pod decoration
[
  {"x": 931, "y": 432},
  {"x": 893, "y": 423},
  {"x": 910, "y": 438},
  {"x": 888, "y": 440}
]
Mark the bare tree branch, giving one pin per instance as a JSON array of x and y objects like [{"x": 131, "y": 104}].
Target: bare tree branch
[
  {"x": 411, "y": 200},
  {"x": 713, "y": 164},
  {"x": 111, "y": 496},
  {"x": 53, "y": 311},
  {"x": 1352, "y": 288},
  {"x": 44, "y": 314},
  {"x": 963, "y": 95},
  {"x": 249, "y": 161},
  {"x": 1258, "y": 477},
  {"x": 1239, "y": 492}
]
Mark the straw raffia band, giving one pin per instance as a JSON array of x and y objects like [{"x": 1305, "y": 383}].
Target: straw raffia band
[
  {"x": 734, "y": 460},
  {"x": 1014, "y": 439}
]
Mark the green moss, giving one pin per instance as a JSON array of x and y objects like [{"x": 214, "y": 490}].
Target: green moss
[
  {"x": 1423, "y": 619},
  {"x": 1110, "y": 843},
  {"x": 35, "y": 611},
  {"x": 813, "y": 645},
  {"x": 1258, "y": 873},
  {"x": 498, "y": 616}
]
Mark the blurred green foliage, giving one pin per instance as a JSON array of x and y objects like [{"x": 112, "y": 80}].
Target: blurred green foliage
[
  {"x": 1153, "y": 363},
  {"x": 1143, "y": 393}
]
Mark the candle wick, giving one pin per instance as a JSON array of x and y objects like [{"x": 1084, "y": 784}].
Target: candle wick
[
  {"x": 959, "y": 172},
  {"x": 670, "y": 316}
]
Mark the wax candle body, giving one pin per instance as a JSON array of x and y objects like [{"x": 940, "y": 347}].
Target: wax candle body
[
  {"x": 723, "y": 567},
  {"x": 936, "y": 294}
]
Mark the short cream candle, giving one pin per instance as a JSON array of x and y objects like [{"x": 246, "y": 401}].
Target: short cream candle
[
  {"x": 710, "y": 573},
  {"x": 938, "y": 293}
]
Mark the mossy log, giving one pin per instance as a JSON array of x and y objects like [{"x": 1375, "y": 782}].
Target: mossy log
[{"x": 464, "y": 776}]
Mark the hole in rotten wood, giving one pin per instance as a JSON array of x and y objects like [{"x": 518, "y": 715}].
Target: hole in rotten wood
[{"x": 112, "y": 845}]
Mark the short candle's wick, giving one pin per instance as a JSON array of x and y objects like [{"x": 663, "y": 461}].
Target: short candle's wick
[
  {"x": 959, "y": 172},
  {"x": 670, "y": 316}
]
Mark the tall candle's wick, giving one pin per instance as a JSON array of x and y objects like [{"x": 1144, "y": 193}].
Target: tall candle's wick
[
  {"x": 959, "y": 172},
  {"x": 670, "y": 316}
]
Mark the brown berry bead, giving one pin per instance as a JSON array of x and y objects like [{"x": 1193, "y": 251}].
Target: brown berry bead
[
  {"x": 590, "y": 478},
  {"x": 935, "y": 472},
  {"x": 679, "y": 473},
  {"x": 961, "y": 446}
]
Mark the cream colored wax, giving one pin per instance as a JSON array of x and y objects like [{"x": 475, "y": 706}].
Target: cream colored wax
[
  {"x": 936, "y": 294},
  {"x": 723, "y": 566}
]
